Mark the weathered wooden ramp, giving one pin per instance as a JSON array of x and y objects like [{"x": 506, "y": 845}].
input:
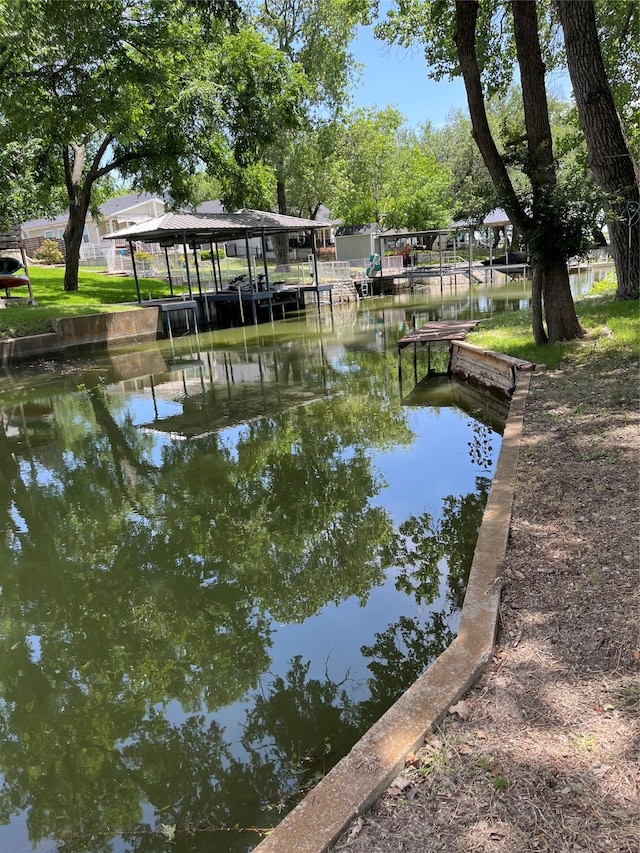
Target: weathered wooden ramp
[{"x": 483, "y": 367}]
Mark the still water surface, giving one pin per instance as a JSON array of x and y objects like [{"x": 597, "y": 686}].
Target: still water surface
[{"x": 222, "y": 559}]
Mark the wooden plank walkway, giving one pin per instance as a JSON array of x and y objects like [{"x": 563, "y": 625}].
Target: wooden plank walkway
[{"x": 441, "y": 330}]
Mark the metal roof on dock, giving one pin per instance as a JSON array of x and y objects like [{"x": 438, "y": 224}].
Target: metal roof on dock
[{"x": 175, "y": 227}]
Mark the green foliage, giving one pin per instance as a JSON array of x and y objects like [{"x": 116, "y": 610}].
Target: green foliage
[
  {"x": 206, "y": 255},
  {"x": 500, "y": 783},
  {"x": 314, "y": 35},
  {"x": 606, "y": 286},
  {"x": 317, "y": 34},
  {"x": 387, "y": 176},
  {"x": 472, "y": 192},
  {"x": 614, "y": 327},
  {"x": 49, "y": 252},
  {"x": 263, "y": 92},
  {"x": 313, "y": 168},
  {"x": 148, "y": 90},
  {"x": 143, "y": 256},
  {"x": 252, "y": 186}
]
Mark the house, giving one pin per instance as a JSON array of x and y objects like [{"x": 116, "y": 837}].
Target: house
[
  {"x": 117, "y": 213},
  {"x": 123, "y": 212}
]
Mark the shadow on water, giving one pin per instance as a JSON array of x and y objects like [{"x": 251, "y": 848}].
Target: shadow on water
[{"x": 223, "y": 558}]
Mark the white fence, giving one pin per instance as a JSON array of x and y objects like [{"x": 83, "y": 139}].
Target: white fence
[
  {"x": 333, "y": 271},
  {"x": 92, "y": 252}
]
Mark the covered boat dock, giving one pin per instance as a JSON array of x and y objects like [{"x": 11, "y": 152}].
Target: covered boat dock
[
  {"x": 211, "y": 300},
  {"x": 448, "y": 253}
]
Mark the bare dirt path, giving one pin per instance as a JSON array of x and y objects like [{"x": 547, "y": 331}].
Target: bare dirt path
[{"x": 543, "y": 753}]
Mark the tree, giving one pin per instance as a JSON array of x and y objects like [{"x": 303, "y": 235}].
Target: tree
[
  {"x": 313, "y": 169},
  {"x": 471, "y": 188},
  {"x": 542, "y": 226},
  {"x": 388, "y": 177},
  {"x": 480, "y": 42},
  {"x": 21, "y": 198},
  {"x": 316, "y": 34},
  {"x": 145, "y": 89},
  {"x": 618, "y": 26},
  {"x": 610, "y": 157}
]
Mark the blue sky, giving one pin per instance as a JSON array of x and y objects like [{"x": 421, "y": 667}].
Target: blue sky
[{"x": 394, "y": 75}]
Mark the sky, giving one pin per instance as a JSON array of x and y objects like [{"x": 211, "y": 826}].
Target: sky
[{"x": 397, "y": 76}]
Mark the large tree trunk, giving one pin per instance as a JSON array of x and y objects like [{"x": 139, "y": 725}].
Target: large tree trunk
[
  {"x": 551, "y": 277},
  {"x": 559, "y": 310},
  {"x": 72, "y": 242},
  {"x": 537, "y": 316},
  {"x": 73, "y": 156},
  {"x": 465, "y": 41},
  {"x": 611, "y": 162},
  {"x": 79, "y": 188}
]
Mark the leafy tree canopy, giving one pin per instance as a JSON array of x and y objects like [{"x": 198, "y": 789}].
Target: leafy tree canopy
[
  {"x": 146, "y": 89},
  {"x": 387, "y": 176}
]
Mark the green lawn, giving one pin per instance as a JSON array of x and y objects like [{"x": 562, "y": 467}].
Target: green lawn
[
  {"x": 610, "y": 325},
  {"x": 613, "y": 327},
  {"x": 97, "y": 292}
]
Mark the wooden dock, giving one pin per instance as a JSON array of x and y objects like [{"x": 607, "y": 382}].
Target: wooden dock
[
  {"x": 486, "y": 368},
  {"x": 482, "y": 367},
  {"x": 441, "y": 330}
]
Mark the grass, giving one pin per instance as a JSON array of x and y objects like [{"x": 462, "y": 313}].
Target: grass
[
  {"x": 96, "y": 293},
  {"x": 614, "y": 327}
]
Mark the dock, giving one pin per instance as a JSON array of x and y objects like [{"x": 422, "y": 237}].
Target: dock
[
  {"x": 482, "y": 367},
  {"x": 440, "y": 330}
]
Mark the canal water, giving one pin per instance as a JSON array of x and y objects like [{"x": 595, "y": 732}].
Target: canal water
[{"x": 223, "y": 557}]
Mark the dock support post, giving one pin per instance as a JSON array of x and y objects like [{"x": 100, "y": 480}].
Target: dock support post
[
  {"x": 135, "y": 271},
  {"x": 166, "y": 257}
]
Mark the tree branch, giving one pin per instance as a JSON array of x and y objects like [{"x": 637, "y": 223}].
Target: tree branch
[
  {"x": 465, "y": 42},
  {"x": 624, "y": 32}
]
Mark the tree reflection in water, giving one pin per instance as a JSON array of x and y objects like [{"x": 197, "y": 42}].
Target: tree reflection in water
[{"x": 146, "y": 581}]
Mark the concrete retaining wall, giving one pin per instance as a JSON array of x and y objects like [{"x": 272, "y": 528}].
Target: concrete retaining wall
[{"x": 105, "y": 330}]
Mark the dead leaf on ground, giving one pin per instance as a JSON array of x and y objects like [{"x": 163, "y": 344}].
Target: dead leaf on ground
[
  {"x": 400, "y": 783},
  {"x": 411, "y": 760},
  {"x": 462, "y": 709},
  {"x": 356, "y": 827}
]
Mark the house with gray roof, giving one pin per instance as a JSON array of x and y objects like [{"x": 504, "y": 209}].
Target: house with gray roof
[{"x": 116, "y": 213}]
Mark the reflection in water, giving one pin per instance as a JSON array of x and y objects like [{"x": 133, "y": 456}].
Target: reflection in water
[{"x": 222, "y": 559}]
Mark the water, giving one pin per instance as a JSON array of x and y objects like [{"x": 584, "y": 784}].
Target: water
[{"x": 222, "y": 559}]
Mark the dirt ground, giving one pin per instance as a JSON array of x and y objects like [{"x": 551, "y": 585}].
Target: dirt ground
[{"x": 543, "y": 753}]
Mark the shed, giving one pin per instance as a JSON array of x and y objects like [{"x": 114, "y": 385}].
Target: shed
[{"x": 355, "y": 242}]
